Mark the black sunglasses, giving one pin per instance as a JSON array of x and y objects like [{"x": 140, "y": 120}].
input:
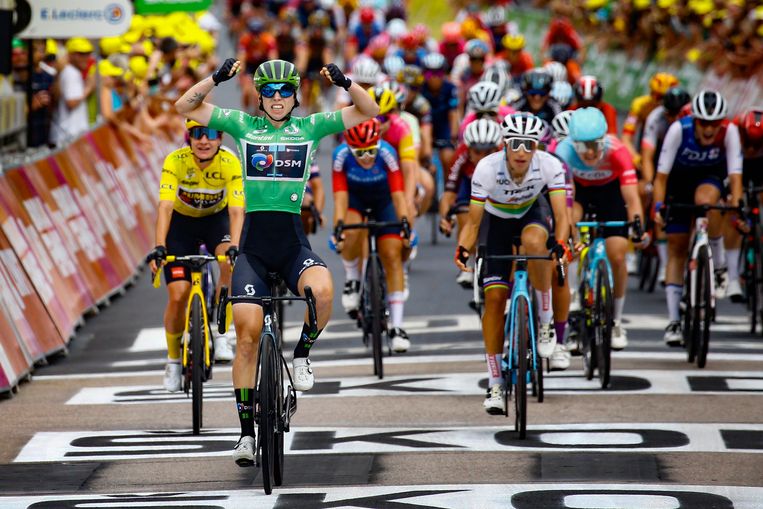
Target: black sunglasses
[
  {"x": 198, "y": 131},
  {"x": 284, "y": 89}
]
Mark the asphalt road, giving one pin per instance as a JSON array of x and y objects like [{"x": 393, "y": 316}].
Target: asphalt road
[{"x": 96, "y": 430}]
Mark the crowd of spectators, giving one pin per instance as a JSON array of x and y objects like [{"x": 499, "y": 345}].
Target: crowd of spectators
[
  {"x": 725, "y": 36},
  {"x": 130, "y": 81}
]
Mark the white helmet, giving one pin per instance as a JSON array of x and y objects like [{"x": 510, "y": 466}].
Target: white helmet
[
  {"x": 365, "y": 70},
  {"x": 523, "y": 125},
  {"x": 499, "y": 75},
  {"x": 393, "y": 64},
  {"x": 494, "y": 16},
  {"x": 561, "y": 91},
  {"x": 482, "y": 133},
  {"x": 561, "y": 124},
  {"x": 396, "y": 28},
  {"x": 484, "y": 96},
  {"x": 709, "y": 105},
  {"x": 557, "y": 70}
]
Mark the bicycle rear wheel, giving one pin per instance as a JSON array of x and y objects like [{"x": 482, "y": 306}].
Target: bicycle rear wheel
[
  {"x": 603, "y": 323},
  {"x": 521, "y": 339},
  {"x": 373, "y": 283},
  {"x": 197, "y": 362},
  {"x": 704, "y": 313},
  {"x": 267, "y": 398}
]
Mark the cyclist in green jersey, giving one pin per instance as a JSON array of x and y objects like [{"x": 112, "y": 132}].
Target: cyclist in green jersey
[{"x": 276, "y": 152}]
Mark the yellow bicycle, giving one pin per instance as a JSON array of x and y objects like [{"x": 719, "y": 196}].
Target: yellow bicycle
[{"x": 198, "y": 347}]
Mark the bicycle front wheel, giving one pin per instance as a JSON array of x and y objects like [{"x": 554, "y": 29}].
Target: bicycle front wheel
[
  {"x": 603, "y": 323},
  {"x": 521, "y": 341},
  {"x": 704, "y": 312},
  {"x": 280, "y": 420},
  {"x": 197, "y": 362},
  {"x": 377, "y": 308},
  {"x": 267, "y": 400}
]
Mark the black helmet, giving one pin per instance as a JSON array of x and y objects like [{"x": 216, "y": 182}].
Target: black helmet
[
  {"x": 675, "y": 99},
  {"x": 537, "y": 80},
  {"x": 560, "y": 53}
]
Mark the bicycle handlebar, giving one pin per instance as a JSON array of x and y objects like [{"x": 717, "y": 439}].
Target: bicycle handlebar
[
  {"x": 638, "y": 229},
  {"x": 372, "y": 226},
  {"x": 309, "y": 299},
  {"x": 195, "y": 262},
  {"x": 560, "y": 270}
]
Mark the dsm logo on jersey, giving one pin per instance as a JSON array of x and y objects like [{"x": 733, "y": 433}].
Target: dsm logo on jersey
[{"x": 283, "y": 161}]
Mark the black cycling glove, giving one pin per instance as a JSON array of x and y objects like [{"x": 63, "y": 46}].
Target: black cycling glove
[
  {"x": 338, "y": 77},
  {"x": 223, "y": 73}
]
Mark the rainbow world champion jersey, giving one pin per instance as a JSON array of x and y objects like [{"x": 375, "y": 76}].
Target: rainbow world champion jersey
[
  {"x": 493, "y": 186},
  {"x": 275, "y": 162}
]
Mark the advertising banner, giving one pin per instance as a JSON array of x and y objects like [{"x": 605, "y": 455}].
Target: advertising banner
[
  {"x": 167, "y": 6},
  {"x": 52, "y": 287},
  {"x": 23, "y": 307},
  {"x": 92, "y": 19},
  {"x": 13, "y": 363}
]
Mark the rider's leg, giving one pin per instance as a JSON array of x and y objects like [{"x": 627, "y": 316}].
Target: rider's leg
[
  {"x": 353, "y": 246},
  {"x": 678, "y": 245},
  {"x": 318, "y": 278},
  {"x": 492, "y": 328},
  {"x": 709, "y": 194},
  {"x": 426, "y": 181},
  {"x": 174, "y": 316},
  {"x": 534, "y": 237},
  {"x": 616, "y": 249},
  {"x": 390, "y": 252}
]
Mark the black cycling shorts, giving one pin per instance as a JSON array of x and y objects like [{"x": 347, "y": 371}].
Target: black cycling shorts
[
  {"x": 187, "y": 233},
  {"x": 272, "y": 242},
  {"x": 503, "y": 234},
  {"x": 607, "y": 203},
  {"x": 682, "y": 185}
]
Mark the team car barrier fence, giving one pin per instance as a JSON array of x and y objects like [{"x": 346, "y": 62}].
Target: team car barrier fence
[{"x": 74, "y": 228}]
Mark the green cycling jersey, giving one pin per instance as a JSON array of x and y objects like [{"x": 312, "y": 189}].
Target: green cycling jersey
[{"x": 275, "y": 161}]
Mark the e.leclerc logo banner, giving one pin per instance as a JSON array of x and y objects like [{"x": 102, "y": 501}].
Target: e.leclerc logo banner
[
  {"x": 75, "y": 18},
  {"x": 166, "y": 6}
]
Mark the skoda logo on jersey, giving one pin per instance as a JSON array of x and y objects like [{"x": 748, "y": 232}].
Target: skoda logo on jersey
[
  {"x": 261, "y": 162},
  {"x": 291, "y": 129}
]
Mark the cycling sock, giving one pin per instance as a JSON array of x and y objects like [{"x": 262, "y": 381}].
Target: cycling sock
[
  {"x": 619, "y": 305},
  {"x": 545, "y": 313},
  {"x": 351, "y": 270},
  {"x": 245, "y": 407},
  {"x": 662, "y": 252},
  {"x": 673, "y": 294},
  {"x": 732, "y": 262},
  {"x": 306, "y": 341},
  {"x": 719, "y": 253},
  {"x": 495, "y": 377},
  {"x": 173, "y": 344},
  {"x": 572, "y": 275},
  {"x": 560, "y": 327},
  {"x": 396, "y": 301}
]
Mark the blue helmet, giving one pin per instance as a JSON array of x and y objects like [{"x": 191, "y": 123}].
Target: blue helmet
[{"x": 587, "y": 124}]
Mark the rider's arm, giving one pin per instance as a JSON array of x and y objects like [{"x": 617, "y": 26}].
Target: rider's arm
[
  {"x": 168, "y": 187},
  {"x": 339, "y": 183},
  {"x": 236, "y": 215},
  {"x": 319, "y": 195},
  {"x": 734, "y": 161},
  {"x": 163, "y": 217},
  {"x": 363, "y": 107},
  {"x": 632, "y": 201},
  {"x": 426, "y": 141},
  {"x": 236, "y": 201},
  {"x": 192, "y": 105},
  {"x": 395, "y": 181},
  {"x": 670, "y": 146},
  {"x": 483, "y": 177}
]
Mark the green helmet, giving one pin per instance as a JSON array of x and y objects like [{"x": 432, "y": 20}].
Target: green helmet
[{"x": 276, "y": 71}]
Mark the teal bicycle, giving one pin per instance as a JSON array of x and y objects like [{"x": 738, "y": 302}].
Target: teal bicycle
[
  {"x": 521, "y": 365},
  {"x": 596, "y": 295}
]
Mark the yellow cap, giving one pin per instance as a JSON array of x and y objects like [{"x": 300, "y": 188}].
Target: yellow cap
[
  {"x": 701, "y": 7},
  {"x": 148, "y": 47},
  {"x": 206, "y": 43},
  {"x": 51, "y": 47},
  {"x": 106, "y": 68},
  {"x": 79, "y": 45},
  {"x": 641, "y": 4},
  {"x": 132, "y": 36},
  {"x": 513, "y": 42},
  {"x": 619, "y": 24},
  {"x": 110, "y": 45},
  {"x": 137, "y": 23},
  {"x": 139, "y": 67},
  {"x": 693, "y": 55},
  {"x": 665, "y": 4},
  {"x": 595, "y": 4}
]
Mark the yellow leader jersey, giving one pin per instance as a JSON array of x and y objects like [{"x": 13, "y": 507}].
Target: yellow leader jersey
[{"x": 200, "y": 193}]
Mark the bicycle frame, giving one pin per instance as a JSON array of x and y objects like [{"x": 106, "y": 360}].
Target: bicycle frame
[
  {"x": 701, "y": 238},
  {"x": 521, "y": 290},
  {"x": 597, "y": 251}
]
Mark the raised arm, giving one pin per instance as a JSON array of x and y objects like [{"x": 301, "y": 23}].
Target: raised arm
[
  {"x": 192, "y": 105},
  {"x": 363, "y": 105}
]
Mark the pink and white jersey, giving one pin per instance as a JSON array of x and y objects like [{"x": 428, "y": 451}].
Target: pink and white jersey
[
  {"x": 615, "y": 164},
  {"x": 503, "y": 112}
]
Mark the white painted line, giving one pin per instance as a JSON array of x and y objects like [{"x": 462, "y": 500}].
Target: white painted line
[
  {"x": 607, "y": 437},
  {"x": 456, "y": 384},
  {"x": 444, "y": 496}
]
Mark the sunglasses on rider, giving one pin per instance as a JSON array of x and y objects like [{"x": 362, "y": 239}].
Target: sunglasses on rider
[
  {"x": 198, "y": 131},
  {"x": 428, "y": 75},
  {"x": 538, "y": 93},
  {"x": 369, "y": 152},
  {"x": 285, "y": 89},
  {"x": 709, "y": 123},
  {"x": 521, "y": 143},
  {"x": 584, "y": 146}
]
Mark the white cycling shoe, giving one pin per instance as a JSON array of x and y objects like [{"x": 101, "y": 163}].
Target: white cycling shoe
[
  {"x": 173, "y": 376},
  {"x": 223, "y": 351},
  {"x": 546, "y": 340},
  {"x": 303, "y": 374},
  {"x": 619, "y": 336},
  {"x": 494, "y": 400},
  {"x": 243, "y": 452},
  {"x": 560, "y": 359}
]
